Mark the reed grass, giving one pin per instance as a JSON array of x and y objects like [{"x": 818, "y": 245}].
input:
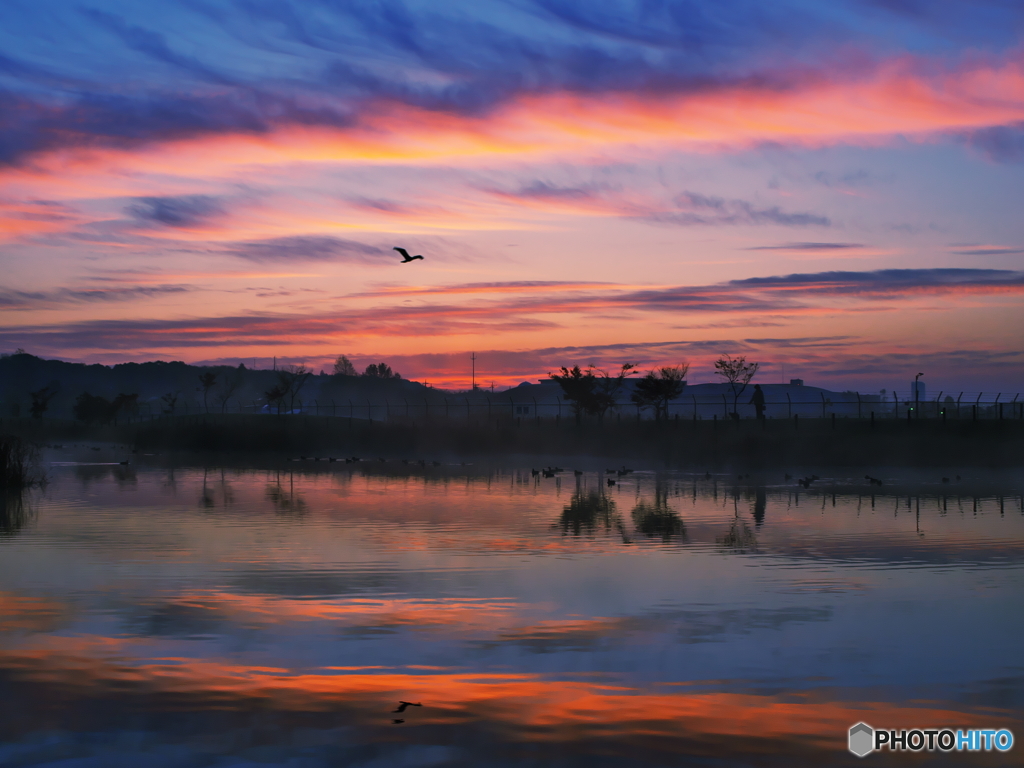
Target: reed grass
[{"x": 19, "y": 464}]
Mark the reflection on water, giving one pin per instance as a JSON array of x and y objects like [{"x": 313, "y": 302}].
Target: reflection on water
[
  {"x": 15, "y": 511},
  {"x": 190, "y": 617}
]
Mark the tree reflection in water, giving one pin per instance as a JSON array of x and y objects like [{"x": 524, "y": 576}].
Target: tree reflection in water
[
  {"x": 739, "y": 538},
  {"x": 659, "y": 519},
  {"x": 586, "y": 511},
  {"x": 15, "y": 512},
  {"x": 286, "y": 501},
  {"x": 760, "y": 504}
]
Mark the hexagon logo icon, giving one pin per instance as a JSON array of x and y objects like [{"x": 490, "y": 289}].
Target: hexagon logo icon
[{"x": 862, "y": 737}]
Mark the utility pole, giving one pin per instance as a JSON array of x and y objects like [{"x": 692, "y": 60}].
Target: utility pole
[{"x": 473, "y": 358}]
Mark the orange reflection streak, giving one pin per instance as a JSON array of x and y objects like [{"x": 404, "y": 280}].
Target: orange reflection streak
[
  {"x": 19, "y": 613},
  {"x": 521, "y": 707},
  {"x": 466, "y": 614}
]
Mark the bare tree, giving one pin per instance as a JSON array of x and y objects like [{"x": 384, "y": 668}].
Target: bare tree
[
  {"x": 343, "y": 367},
  {"x": 607, "y": 388},
  {"x": 291, "y": 379},
  {"x": 275, "y": 396},
  {"x": 206, "y": 383},
  {"x": 738, "y": 373},
  {"x": 170, "y": 401},
  {"x": 229, "y": 388}
]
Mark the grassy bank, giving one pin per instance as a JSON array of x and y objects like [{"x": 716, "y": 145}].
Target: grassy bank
[{"x": 684, "y": 444}]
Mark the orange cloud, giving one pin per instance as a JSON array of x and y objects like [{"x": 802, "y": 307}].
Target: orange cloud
[{"x": 906, "y": 96}]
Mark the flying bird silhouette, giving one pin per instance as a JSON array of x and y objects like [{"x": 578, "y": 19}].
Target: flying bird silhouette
[
  {"x": 403, "y": 704},
  {"x": 406, "y": 258}
]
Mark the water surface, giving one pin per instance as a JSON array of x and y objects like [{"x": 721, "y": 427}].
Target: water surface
[{"x": 208, "y": 617}]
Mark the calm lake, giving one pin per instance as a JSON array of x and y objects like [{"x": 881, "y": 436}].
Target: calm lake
[{"x": 206, "y": 617}]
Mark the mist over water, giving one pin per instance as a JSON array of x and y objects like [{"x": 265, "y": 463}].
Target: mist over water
[{"x": 227, "y": 617}]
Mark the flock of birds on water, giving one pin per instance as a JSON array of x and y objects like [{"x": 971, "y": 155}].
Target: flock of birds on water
[{"x": 546, "y": 472}]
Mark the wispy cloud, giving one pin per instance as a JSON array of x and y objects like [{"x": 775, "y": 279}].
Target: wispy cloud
[
  {"x": 806, "y": 247},
  {"x": 984, "y": 250},
  {"x": 34, "y": 300},
  {"x": 309, "y": 248},
  {"x": 178, "y": 211},
  {"x": 521, "y": 311}
]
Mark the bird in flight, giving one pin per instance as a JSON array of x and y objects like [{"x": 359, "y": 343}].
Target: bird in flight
[
  {"x": 403, "y": 704},
  {"x": 406, "y": 258}
]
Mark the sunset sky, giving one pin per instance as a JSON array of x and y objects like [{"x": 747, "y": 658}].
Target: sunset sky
[{"x": 832, "y": 189}]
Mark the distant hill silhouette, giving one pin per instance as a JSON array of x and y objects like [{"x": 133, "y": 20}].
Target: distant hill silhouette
[{"x": 22, "y": 374}]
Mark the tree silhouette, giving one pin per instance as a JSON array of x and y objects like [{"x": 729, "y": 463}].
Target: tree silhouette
[
  {"x": 343, "y": 367},
  {"x": 276, "y": 395},
  {"x": 738, "y": 373},
  {"x": 206, "y": 382},
  {"x": 291, "y": 379},
  {"x": 92, "y": 408},
  {"x": 380, "y": 371},
  {"x": 659, "y": 387},
  {"x": 229, "y": 388},
  {"x": 41, "y": 401},
  {"x": 170, "y": 401},
  {"x": 607, "y": 388}
]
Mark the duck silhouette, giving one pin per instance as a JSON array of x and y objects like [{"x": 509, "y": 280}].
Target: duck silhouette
[
  {"x": 406, "y": 258},
  {"x": 403, "y": 704}
]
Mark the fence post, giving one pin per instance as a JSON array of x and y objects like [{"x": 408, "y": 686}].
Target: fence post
[
  {"x": 334, "y": 408},
  {"x": 446, "y": 407},
  {"x": 350, "y": 414},
  {"x": 725, "y": 407},
  {"x": 536, "y": 411},
  {"x": 387, "y": 410},
  {"x": 997, "y": 406},
  {"x": 958, "y": 404},
  {"x": 859, "y": 415},
  {"x": 694, "y": 407},
  {"x": 822, "y": 404},
  {"x": 896, "y": 401},
  {"x": 937, "y": 406},
  {"x": 406, "y": 407},
  {"x": 369, "y": 412},
  {"x": 316, "y": 404}
]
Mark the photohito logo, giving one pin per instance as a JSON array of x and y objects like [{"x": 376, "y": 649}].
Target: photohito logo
[{"x": 863, "y": 739}]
